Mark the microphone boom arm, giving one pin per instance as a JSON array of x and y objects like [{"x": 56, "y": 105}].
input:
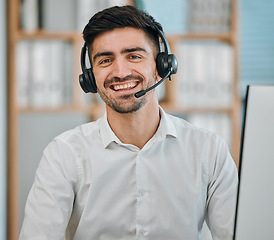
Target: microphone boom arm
[{"x": 143, "y": 92}]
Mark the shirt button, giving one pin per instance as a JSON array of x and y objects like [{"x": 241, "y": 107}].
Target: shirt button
[
  {"x": 142, "y": 232},
  {"x": 141, "y": 192}
]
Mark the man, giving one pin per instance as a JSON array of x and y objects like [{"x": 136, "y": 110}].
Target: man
[{"x": 137, "y": 172}]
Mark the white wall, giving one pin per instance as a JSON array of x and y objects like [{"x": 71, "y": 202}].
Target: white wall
[{"x": 3, "y": 122}]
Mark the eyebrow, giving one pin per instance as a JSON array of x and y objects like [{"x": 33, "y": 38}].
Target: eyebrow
[
  {"x": 102, "y": 54},
  {"x": 127, "y": 50},
  {"x": 135, "y": 49}
]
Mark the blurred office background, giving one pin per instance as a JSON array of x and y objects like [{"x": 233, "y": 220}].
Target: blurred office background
[
  {"x": 38, "y": 121},
  {"x": 3, "y": 122}
]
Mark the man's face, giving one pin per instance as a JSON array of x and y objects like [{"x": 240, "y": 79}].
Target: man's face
[{"x": 123, "y": 63}]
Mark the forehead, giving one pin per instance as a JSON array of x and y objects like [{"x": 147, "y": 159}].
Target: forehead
[{"x": 121, "y": 38}]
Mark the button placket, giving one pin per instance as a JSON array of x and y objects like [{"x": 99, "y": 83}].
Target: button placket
[{"x": 141, "y": 206}]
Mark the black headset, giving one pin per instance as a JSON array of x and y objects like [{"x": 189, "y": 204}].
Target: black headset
[{"x": 166, "y": 64}]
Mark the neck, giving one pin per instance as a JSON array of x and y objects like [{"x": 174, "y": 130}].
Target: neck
[{"x": 135, "y": 128}]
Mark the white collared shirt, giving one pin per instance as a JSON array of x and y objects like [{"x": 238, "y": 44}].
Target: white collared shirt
[{"x": 89, "y": 185}]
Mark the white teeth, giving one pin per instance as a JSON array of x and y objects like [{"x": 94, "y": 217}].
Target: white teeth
[{"x": 124, "y": 86}]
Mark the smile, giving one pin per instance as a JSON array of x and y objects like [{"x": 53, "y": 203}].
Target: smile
[{"x": 124, "y": 86}]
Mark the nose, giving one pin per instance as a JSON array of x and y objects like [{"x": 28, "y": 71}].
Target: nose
[{"x": 120, "y": 68}]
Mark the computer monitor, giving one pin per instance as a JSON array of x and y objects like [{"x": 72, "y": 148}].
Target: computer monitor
[{"x": 255, "y": 203}]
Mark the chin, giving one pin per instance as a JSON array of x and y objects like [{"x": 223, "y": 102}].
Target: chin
[{"x": 128, "y": 109}]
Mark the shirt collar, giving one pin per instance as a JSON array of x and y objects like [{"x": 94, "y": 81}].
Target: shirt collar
[
  {"x": 107, "y": 135},
  {"x": 166, "y": 128}
]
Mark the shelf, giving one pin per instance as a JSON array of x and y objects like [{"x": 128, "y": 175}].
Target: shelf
[
  {"x": 190, "y": 110},
  {"x": 69, "y": 36},
  {"x": 93, "y": 109},
  {"x": 58, "y": 109},
  {"x": 226, "y": 37}
]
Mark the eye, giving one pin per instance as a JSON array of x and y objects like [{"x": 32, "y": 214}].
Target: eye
[
  {"x": 135, "y": 57},
  {"x": 105, "y": 61}
]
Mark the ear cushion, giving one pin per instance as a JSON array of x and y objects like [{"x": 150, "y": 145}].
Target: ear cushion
[
  {"x": 172, "y": 63},
  {"x": 93, "y": 87},
  {"x": 162, "y": 64},
  {"x": 87, "y": 81}
]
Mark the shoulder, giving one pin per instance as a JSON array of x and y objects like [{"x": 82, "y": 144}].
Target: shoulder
[
  {"x": 75, "y": 141},
  {"x": 198, "y": 141},
  {"x": 205, "y": 145},
  {"x": 186, "y": 129},
  {"x": 80, "y": 133}
]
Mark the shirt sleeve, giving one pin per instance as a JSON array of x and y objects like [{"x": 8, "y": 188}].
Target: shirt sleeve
[
  {"x": 222, "y": 193},
  {"x": 50, "y": 201}
]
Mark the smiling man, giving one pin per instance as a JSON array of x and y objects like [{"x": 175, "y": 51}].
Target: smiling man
[
  {"x": 137, "y": 172},
  {"x": 123, "y": 61}
]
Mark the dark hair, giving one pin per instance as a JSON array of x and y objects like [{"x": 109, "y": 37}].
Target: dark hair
[{"x": 120, "y": 17}]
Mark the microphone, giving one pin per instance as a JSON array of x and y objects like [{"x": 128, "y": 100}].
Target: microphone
[{"x": 143, "y": 92}]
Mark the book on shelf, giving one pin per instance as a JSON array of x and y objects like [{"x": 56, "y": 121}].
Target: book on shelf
[
  {"x": 44, "y": 73},
  {"x": 68, "y": 62},
  {"x": 48, "y": 15},
  {"x": 183, "y": 16},
  {"x": 39, "y": 72},
  {"x": 29, "y": 15},
  {"x": 205, "y": 75},
  {"x": 209, "y": 16},
  {"x": 23, "y": 72},
  {"x": 60, "y": 15},
  {"x": 87, "y": 8},
  {"x": 56, "y": 83},
  {"x": 172, "y": 14}
]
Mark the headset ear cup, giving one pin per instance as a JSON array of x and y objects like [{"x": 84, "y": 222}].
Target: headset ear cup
[
  {"x": 162, "y": 64},
  {"x": 87, "y": 81},
  {"x": 92, "y": 83},
  {"x": 83, "y": 82},
  {"x": 166, "y": 62}
]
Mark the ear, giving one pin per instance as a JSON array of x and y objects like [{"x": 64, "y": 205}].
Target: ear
[{"x": 158, "y": 78}]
